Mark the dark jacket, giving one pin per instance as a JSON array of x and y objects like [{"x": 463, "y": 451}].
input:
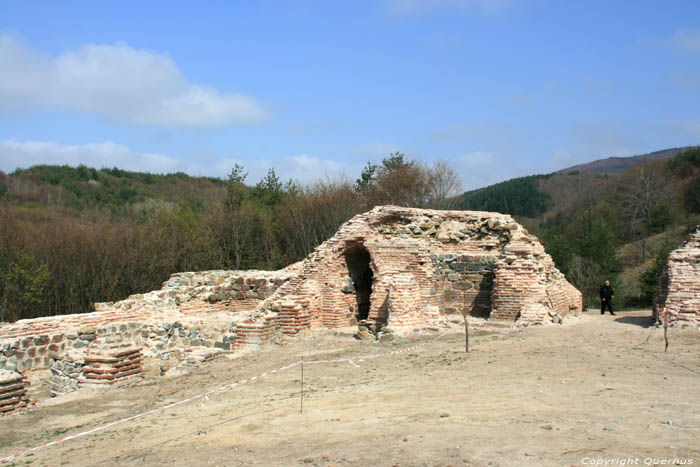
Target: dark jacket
[{"x": 607, "y": 292}]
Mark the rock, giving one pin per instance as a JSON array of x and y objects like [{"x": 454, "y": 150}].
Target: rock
[
  {"x": 463, "y": 285},
  {"x": 348, "y": 286},
  {"x": 455, "y": 266},
  {"x": 444, "y": 415},
  {"x": 383, "y": 337},
  {"x": 365, "y": 335}
]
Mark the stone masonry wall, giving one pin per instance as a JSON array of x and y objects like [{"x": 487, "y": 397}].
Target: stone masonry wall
[
  {"x": 425, "y": 264},
  {"x": 390, "y": 267},
  {"x": 678, "y": 292},
  {"x": 158, "y": 321}
]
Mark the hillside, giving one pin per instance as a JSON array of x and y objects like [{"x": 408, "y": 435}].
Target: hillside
[
  {"x": 605, "y": 218},
  {"x": 88, "y": 189},
  {"x": 72, "y": 236},
  {"x": 620, "y": 164}
]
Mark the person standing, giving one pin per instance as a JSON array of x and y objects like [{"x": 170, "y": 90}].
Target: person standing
[{"x": 606, "y": 297}]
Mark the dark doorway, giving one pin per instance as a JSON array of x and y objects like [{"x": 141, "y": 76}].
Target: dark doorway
[{"x": 357, "y": 259}]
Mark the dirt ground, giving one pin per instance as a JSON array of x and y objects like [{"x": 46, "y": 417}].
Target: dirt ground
[{"x": 595, "y": 388}]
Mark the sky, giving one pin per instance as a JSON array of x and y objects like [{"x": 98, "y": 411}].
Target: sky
[{"x": 316, "y": 89}]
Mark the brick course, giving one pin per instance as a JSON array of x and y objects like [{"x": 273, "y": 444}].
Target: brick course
[{"x": 678, "y": 292}]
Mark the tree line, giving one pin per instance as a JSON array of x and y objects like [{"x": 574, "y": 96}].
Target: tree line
[{"x": 70, "y": 237}]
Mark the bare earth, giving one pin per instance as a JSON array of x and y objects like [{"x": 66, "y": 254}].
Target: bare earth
[{"x": 541, "y": 396}]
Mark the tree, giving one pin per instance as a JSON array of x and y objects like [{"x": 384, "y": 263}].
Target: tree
[
  {"x": 692, "y": 194},
  {"x": 649, "y": 280},
  {"x": 557, "y": 245},
  {"x": 644, "y": 193},
  {"x": 368, "y": 178},
  {"x": 660, "y": 218},
  {"x": 268, "y": 191},
  {"x": 444, "y": 184},
  {"x": 234, "y": 231},
  {"x": 23, "y": 294},
  {"x": 585, "y": 274}
]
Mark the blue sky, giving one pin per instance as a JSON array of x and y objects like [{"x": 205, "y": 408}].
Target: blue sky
[{"x": 498, "y": 88}]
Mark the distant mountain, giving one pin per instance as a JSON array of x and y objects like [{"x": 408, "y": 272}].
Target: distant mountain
[
  {"x": 613, "y": 165},
  {"x": 542, "y": 196}
]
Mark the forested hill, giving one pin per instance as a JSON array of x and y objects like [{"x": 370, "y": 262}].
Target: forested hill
[
  {"x": 614, "y": 225},
  {"x": 115, "y": 190},
  {"x": 620, "y": 164},
  {"x": 72, "y": 236}
]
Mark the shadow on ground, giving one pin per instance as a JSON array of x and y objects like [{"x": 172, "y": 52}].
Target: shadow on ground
[{"x": 642, "y": 321}]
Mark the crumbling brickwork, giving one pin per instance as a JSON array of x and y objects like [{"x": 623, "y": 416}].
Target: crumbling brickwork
[
  {"x": 391, "y": 267},
  {"x": 13, "y": 391},
  {"x": 403, "y": 266},
  {"x": 678, "y": 292}
]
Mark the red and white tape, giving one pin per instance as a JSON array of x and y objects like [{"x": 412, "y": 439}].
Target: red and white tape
[{"x": 205, "y": 396}]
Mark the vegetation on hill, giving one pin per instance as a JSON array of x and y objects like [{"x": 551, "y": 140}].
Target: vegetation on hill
[
  {"x": 519, "y": 196},
  {"x": 72, "y": 236},
  {"x": 620, "y": 227}
]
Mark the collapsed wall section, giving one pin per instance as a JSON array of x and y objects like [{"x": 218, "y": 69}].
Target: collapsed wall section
[
  {"x": 13, "y": 391},
  {"x": 678, "y": 292},
  {"x": 107, "y": 347},
  {"x": 401, "y": 266},
  {"x": 390, "y": 267}
]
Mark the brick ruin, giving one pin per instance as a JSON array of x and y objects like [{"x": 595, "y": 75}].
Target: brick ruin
[
  {"x": 388, "y": 270},
  {"x": 678, "y": 292}
]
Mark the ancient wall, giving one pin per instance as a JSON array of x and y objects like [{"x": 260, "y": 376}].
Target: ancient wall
[
  {"x": 678, "y": 292},
  {"x": 107, "y": 347},
  {"x": 391, "y": 267},
  {"x": 13, "y": 391},
  {"x": 424, "y": 264}
]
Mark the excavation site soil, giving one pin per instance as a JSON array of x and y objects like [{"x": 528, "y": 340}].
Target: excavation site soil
[{"x": 596, "y": 387}]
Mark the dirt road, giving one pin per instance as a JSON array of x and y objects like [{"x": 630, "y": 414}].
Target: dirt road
[{"x": 592, "y": 389}]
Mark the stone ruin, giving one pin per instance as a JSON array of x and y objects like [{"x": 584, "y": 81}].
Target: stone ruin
[
  {"x": 678, "y": 292},
  {"x": 391, "y": 269}
]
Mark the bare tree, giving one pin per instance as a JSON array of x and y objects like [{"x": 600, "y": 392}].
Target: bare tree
[
  {"x": 643, "y": 192},
  {"x": 445, "y": 183}
]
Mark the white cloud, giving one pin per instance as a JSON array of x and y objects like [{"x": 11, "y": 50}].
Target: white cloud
[
  {"x": 303, "y": 168},
  {"x": 24, "y": 154},
  {"x": 413, "y": 7},
  {"x": 687, "y": 39},
  {"x": 118, "y": 82}
]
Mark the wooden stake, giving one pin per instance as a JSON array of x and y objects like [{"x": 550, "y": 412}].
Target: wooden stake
[
  {"x": 466, "y": 333},
  {"x": 666, "y": 330},
  {"x": 466, "y": 324},
  {"x": 301, "y": 400}
]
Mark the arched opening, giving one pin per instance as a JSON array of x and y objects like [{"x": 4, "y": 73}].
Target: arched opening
[{"x": 357, "y": 259}]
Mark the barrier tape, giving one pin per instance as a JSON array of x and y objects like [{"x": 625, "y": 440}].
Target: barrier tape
[{"x": 205, "y": 397}]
